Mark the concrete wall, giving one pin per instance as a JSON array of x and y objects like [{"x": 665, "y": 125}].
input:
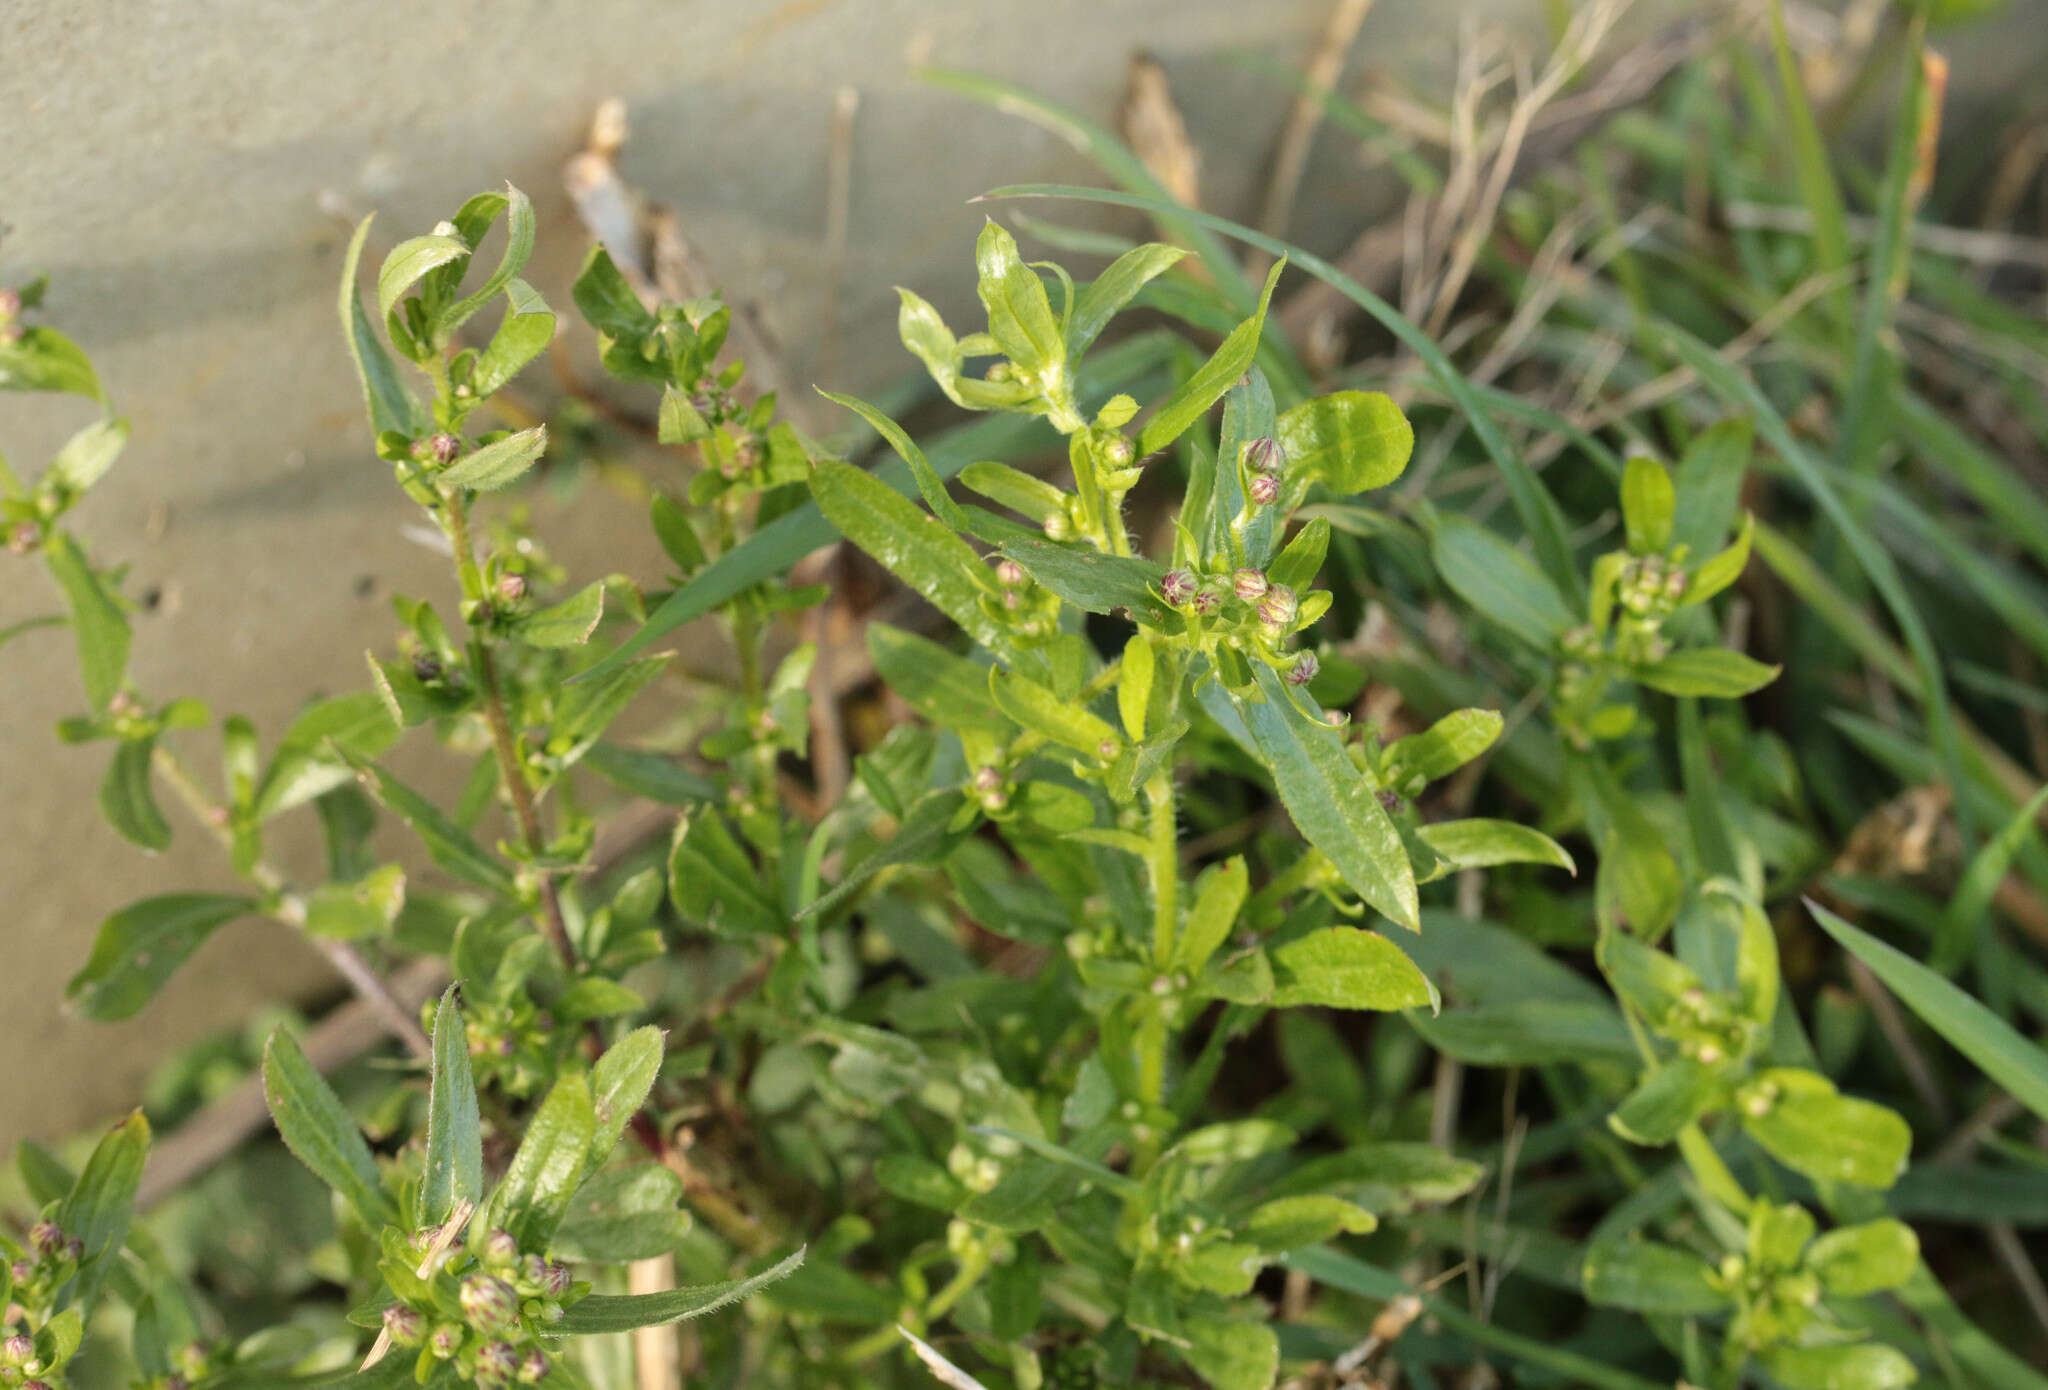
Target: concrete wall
[{"x": 168, "y": 161}]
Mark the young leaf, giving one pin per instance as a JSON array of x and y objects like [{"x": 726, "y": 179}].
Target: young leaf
[
  {"x": 1713, "y": 672},
  {"x": 1219, "y": 897},
  {"x": 1483, "y": 844},
  {"x": 100, "y": 1204},
  {"x": 42, "y": 359},
  {"x": 1209, "y": 381},
  {"x": 1839, "y": 1366},
  {"x": 392, "y": 408},
  {"x": 141, "y": 946},
  {"x": 1064, "y": 722},
  {"x": 1345, "y": 968},
  {"x": 1444, "y": 747},
  {"x": 1709, "y": 484},
  {"x": 624, "y": 1312},
  {"x": 453, "y": 1170},
  {"x": 606, "y": 300},
  {"x": 96, "y": 619},
  {"x": 1498, "y": 580},
  {"x": 1667, "y": 1100},
  {"x": 1232, "y": 1355},
  {"x": 474, "y": 218},
  {"x": 1020, "y": 316},
  {"x": 494, "y": 465},
  {"x": 914, "y": 546},
  {"x": 528, "y": 328},
  {"x": 1648, "y": 504},
  {"x": 317, "y": 1129},
  {"x": 533, "y": 1196},
  {"x": 712, "y": 881},
  {"x": 307, "y": 764},
  {"x": 86, "y": 457},
  {"x": 1298, "y": 565},
  {"x": 1134, "y": 685},
  {"x": 1868, "y": 1258},
  {"x": 128, "y": 800},
  {"x": 1110, "y": 291},
  {"x": 411, "y": 261},
  {"x": 619, "y": 1084},
  {"x": 1645, "y": 1277},
  {"x": 624, "y": 1214},
  {"x": 1350, "y": 441},
  {"x": 1802, "y": 1121},
  {"x": 565, "y": 624},
  {"x": 1973, "y": 1030}
]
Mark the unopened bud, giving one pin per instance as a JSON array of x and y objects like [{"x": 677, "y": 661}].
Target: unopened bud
[
  {"x": 1177, "y": 587},
  {"x": 489, "y": 1302},
  {"x": 497, "y": 1361},
  {"x": 405, "y": 1325},
  {"x": 1117, "y": 451},
  {"x": 1304, "y": 669},
  {"x": 10, "y": 305},
  {"x": 1058, "y": 527},
  {"x": 554, "y": 1279},
  {"x": 1249, "y": 584},
  {"x": 1264, "y": 456},
  {"x": 1264, "y": 490},
  {"x": 427, "y": 666},
  {"x": 1208, "y": 599},
  {"x": 47, "y": 1237},
  {"x": 511, "y": 588},
  {"x": 500, "y": 1248},
  {"x": 23, "y": 537},
  {"x": 987, "y": 779},
  {"x": 446, "y": 1341},
  {"x": 438, "y": 449},
  {"x": 17, "y": 1350},
  {"x": 35, "y": 1385},
  {"x": 1011, "y": 575},
  {"x": 533, "y": 1366},
  {"x": 1278, "y": 606},
  {"x": 21, "y": 1271}
]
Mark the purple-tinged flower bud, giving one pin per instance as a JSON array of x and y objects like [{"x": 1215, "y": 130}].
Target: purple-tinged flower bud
[
  {"x": 192, "y": 1360},
  {"x": 23, "y": 537},
  {"x": 405, "y": 1325},
  {"x": 438, "y": 449},
  {"x": 533, "y": 1367},
  {"x": 497, "y": 1361},
  {"x": 511, "y": 588},
  {"x": 35, "y": 1385},
  {"x": 1209, "y": 598},
  {"x": 488, "y": 1302},
  {"x": 1304, "y": 669},
  {"x": 1278, "y": 606},
  {"x": 1389, "y": 801},
  {"x": 446, "y": 1341},
  {"x": 1058, "y": 527},
  {"x": 1013, "y": 602},
  {"x": 1177, "y": 587},
  {"x": 1117, "y": 451},
  {"x": 1265, "y": 456},
  {"x": 427, "y": 666},
  {"x": 1249, "y": 584},
  {"x": 17, "y": 1350},
  {"x": 21, "y": 1271},
  {"x": 1011, "y": 575},
  {"x": 500, "y": 1248},
  {"x": 10, "y": 305},
  {"x": 1264, "y": 490},
  {"x": 554, "y": 1280},
  {"x": 47, "y": 1237}
]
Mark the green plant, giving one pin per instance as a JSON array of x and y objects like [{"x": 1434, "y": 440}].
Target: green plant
[{"x": 1054, "y": 1036}]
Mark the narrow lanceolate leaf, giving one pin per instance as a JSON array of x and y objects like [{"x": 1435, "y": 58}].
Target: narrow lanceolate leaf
[
  {"x": 495, "y": 465},
  {"x": 86, "y": 457},
  {"x": 1645, "y": 1277},
  {"x": 1209, "y": 381},
  {"x": 1351, "y": 441},
  {"x": 1332, "y": 803},
  {"x": 911, "y": 544},
  {"x": 96, "y": 619},
  {"x": 1973, "y": 1030},
  {"x": 929, "y": 485},
  {"x": 532, "y": 1198},
  {"x": 453, "y": 1172},
  {"x": 97, "y": 1210},
  {"x": 1345, "y": 968},
  {"x": 928, "y": 833},
  {"x": 142, "y": 945},
  {"x": 1445, "y": 746},
  {"x": 1099, "y": 300},
  {"x": 1648, "y": 505},
  {"x": 474, "y": 219},
  {"x": 1096, "y": 582},
  {"x": 410, "y": 262},
  {"x": 948, "y": 690},
  {"x": 317, "y": 1129},
  {"x": 1482, "y": 844},
  {"x": 308, "y": 760},
  {"x": 565, "y": 624},
  {"x": 391, "y": 407},
  {"x": 1712, "y": 672},
  {"x": 619, "y": 1084},
  {"x": 126, "y": 797},
  {"x": 528, "y": 328},
  {"x": 1963, "y": 920},
  {"x": 447, "y": 844},
  {"x": 1499, "y": 580},
  {"x": 1063, "y": 722},
  {"x": 1020, "y": 316},
  {"x": 624, "y": 1312}
]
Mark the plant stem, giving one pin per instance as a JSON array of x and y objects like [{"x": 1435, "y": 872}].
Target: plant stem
[
  {"x": 290, "y": 909},
  {"x": 1162, "y": 861}
]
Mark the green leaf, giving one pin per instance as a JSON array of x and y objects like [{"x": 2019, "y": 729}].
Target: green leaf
[
  {"x": 447, "y": 844},
  {"x": 606, "y": 300},
  {"x": 410, "y": 262},
  {"x": 142, "y": 945},
  {"x": 1529, "y": 1032},
  {"x": 1020, "y": 316},
  {"x": 533, "y": 1196},
  {"x": 307, "y": 764},
  {"x": 1110, "y": 291},
  {"x": 1718, "y": 571},
  {"x": 128, "y": 800},
  {"x": 1096, "y": 582},
  {"x": 565, "y": 624},
  {"x": 1713, "y": 672},
  {"x": 1332, "y": 802},
  {"x": 1219, "y": 896},
  {"x": 1498, "y": 580},
  {"x": 42, "y": 359},
  {"x": 624, "y": 1214},
  {"x": 1064, "y": 722},
  {"x": 1973, "y": 1030},
  {"x": 713, "y": 882},
  {"x": 1444, "y": 747},
  {"x": 1232, "y": 1355},
  {"x": 1351, "y": 441},
  {"x": 494, "y": 465},
  {"x": 1482, "y": 844},
  {"x": 390, "y": 406},
  {"x": 367, "y": 906},
  {"x": 619, "y": 1086},
  {"x": 1648, "y": 505},
  {"x": 1709, "y": 484},
  {"x": 101, "y": 1203},
  {"x": 1839, "y": 1366},
  {"x": 656, "y": 776},
  {"x": 1289, "y": 1223},
  {"x": 1206, "y": 385},
  {"x": 474, "y": 218},
  {"x": 1802, "y": 1121},
  {"x": 1134, "y": 685},
  {"x": 1345, "y": 968},
  {"x": 1964, "y": 920},
  {"x": 916, "y": 547},
  {"x": 929, "y": 485},
  {"x": 945, "y": 689},
  {"x": 453, "y": 1170},
  {"x": 1873, "y": 1257},
  {"x": 926, "y": 834},
  {"x": 624, "y": 1312},
  {"x": 86, "y": 457},
  {"x": 1666, "y": 1101},
  {"x": 1013, "y": 488},
  {"x": 527, "y": 329},
  {"x": 96, "y": 619},
  {"x": 1645, "y": 1277},
  {"x": 317, "y": 1129}
]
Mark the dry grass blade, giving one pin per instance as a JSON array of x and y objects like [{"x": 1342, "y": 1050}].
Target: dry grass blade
[{"x": 1156, "y": 132}]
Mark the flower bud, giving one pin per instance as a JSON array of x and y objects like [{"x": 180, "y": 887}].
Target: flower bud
[
  {"x": 488, "y": 1302},
  {"x": 405, "y": 1325},
  {"x": 17, "y": 1350},
  {"x": 1278, "y": 606},
  {"x": 1264, "y": 490},
  {"x": 1264, "y": 456},
  {"x": 1177, "y": 587},
  {"x": 23, "y": 537},
  {"x": 21, "y": 1271},
  {"x": 511, "y": 588},
  {"x": 498, "y": 1361},
  {"x": 554, "y": 1279},
  {"x": 533, "y": 1366},
  {"x": 1249, "y": 584},
  {"x": 1059, "y": 527},
  {"x": 1208, "y": 599},
  {"x": 47, "y": 1237},
  {"x": 446, "y": 1341},
  {"x": 500, "y": 1247},
  {"x": 438, "y": 449},
  {"x": 427, "y": 666},
  {"x": 1117, "y": 451},
  {"x": 35, "y": 1385},
  {"x": 1011, "y": 575},
  {"x": 1304, "y": 669}
]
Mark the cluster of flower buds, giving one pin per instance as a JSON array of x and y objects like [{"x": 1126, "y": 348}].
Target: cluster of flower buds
[
  {"x": 436, "y": 450},
  {"x": 1650, "y": 587},
  {"x": 486, "y": 1320},
  {"x": 1707, "y": 1028},
  {"x": 991, "y": 788},
  {"x": 20, "y": 1366},
  {"x": 1258, "y": 614},
  {"x": 1263, "y": 462},
  {"x": 1030, "y": 611}
]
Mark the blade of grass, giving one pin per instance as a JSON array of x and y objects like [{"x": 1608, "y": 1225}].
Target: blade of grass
[{"x": 1817, "y": 185}]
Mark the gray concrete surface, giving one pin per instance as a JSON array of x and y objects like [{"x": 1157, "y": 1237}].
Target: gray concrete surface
[{"x": 166, "y": 162}]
